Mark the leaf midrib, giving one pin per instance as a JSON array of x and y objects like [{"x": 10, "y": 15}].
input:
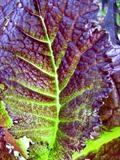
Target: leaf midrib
[{"x": 58, "y": 105}]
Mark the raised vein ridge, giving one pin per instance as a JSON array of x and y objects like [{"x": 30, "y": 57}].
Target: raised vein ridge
[
  {"x": 42, "y": 70},
  {"x": 56, "y": 84}
]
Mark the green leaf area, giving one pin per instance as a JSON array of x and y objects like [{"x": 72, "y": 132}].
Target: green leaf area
[
  {"x": 93, "y": 146},
  {"x": 5, "y": 120}
]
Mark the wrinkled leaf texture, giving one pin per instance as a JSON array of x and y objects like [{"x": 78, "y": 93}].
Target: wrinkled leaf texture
[
  {"x": 55, "y": 70},
  {"x": 110, "y": 113}
]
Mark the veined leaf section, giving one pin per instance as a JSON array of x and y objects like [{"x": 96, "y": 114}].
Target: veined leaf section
[
  {"x": 32, "y": 87},
  {"x": 56, "y": 84},
  {"x": 38, "y": 67}
]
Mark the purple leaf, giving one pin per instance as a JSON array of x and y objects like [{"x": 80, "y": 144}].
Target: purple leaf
[{"x": 54, "y": 65}]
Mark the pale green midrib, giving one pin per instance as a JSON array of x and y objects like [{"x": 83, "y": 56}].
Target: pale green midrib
[
  {"x": 92, "y": 146},
  {"x": 56, "y": 84},
  {"x": 32, "y": 88},
  {"x": 42, "y": 70}
]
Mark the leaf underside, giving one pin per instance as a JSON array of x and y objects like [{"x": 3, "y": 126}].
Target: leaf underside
[{"x": 55, "y": 72}]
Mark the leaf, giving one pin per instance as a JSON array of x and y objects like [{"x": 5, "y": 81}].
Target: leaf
[
  {"x": 54, "y": 65},
  {"x": 5, "y": 120},
  {"x": 6, "y": 137},
  {"x": 108, "y": 151},
  {"x": 93, "y": 146},
  {"x": 4, "y": 152},
  {"x": 110, "y": 111},
  {"x": 112, "y": 25},
  {"x": 17, "y": 144},
  {"x": 107, "y": 146},
  {"x": 9, "y": 145}
]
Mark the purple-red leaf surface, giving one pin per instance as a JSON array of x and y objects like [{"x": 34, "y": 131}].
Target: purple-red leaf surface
[{"x": 55, "y": 70}]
